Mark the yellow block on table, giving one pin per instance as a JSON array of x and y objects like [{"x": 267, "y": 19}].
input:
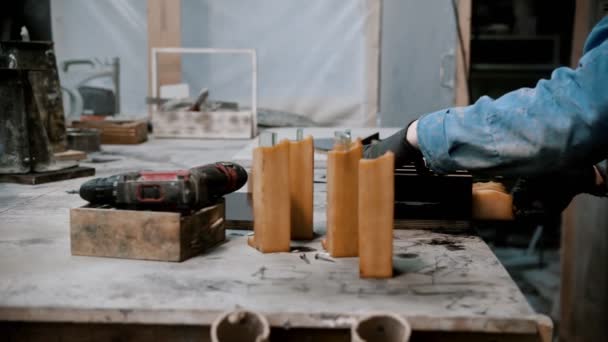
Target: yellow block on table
[{"x": 491, "y": 201}]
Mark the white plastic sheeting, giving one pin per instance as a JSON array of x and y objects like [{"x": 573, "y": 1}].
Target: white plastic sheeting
[
  {"x": 418, "y": 62},
  {"x": 105, "y": 29},
  {"x": 318, "y": 58}
]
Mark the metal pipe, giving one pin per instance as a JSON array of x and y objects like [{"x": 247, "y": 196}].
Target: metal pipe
[
  {"x": 267, "y": 139},
  {"x": 381, "y": 327},
  {"x": 241, "y": 325},
  {"x": 342, "y": 140}
]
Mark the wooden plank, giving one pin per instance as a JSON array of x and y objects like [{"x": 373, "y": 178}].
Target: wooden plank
[
  {"x": 203, "y": 125},
  {"x": 464, "y": 22},
  {"x": 117, "y": 132},
  {"x": 566, "y": 288},
  {"x": 70, "y": 155},
  {"x": 202, "y": 231},
  {"x": 164, "y": 30},
  {"x": 580, "y": 31},
  {"x": 584, "y": 292},
  {"x": 373, "y": 37},
  {"x": 69, "y": 332},
  {"x": 545, "y": 329},
  {"x": 47, "y": 177},
  {"x": 147, "y": 235}
]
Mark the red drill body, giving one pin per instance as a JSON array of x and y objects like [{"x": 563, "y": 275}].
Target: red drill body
[{"x": 179, "y": 190}]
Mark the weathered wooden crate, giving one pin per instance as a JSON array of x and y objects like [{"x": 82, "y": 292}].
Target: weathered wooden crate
[
  {"x": 118, "y": 132},
  {"x": 149, "y": 235},
  {"x": 217, "y": 124},
  {"x": 205, "y": 125}
]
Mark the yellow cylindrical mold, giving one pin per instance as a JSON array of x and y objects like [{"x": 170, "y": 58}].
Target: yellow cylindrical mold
[
  {"x": 271, "y": 199},
  {"x": 376, "y": 209},
  {"x": 301, "y": 183},
  {"x": 342, "y": 193}
]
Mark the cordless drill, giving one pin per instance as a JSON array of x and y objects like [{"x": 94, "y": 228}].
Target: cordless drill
[{"x": 180, "y": 190}]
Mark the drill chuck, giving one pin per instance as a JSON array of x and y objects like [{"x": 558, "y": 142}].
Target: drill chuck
[{"x": 99, "y": 190}]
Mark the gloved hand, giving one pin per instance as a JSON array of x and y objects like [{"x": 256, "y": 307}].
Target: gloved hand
[
  {"x": 548, "y": 195},
  {"x": 398, "y": 144}
]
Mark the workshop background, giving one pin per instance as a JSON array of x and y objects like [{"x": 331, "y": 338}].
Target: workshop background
[{"x": 349, "y": 63}]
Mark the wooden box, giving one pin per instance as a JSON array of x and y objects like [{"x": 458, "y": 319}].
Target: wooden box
[
  {"x": 204, "y": 125},
  {"x": 149, "y": 235},
  {"x": 118, "y": 132}
]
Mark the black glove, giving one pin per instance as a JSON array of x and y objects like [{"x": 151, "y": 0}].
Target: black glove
[
  {"x": 548, "y": 195},
  {"x": 397, "y": 143}
]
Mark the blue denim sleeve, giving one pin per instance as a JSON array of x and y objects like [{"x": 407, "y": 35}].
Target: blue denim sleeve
[{"x": 561, "y": 122}]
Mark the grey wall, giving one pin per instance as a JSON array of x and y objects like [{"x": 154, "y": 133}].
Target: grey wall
[
  {"x": 107, "y": 28},
  {"x": 311, "y": 54},
  {"x": 311, "y": 58},
  {"x": 415, "y": 36}
]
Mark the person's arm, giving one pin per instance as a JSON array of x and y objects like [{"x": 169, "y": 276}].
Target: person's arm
[{"x": 561, "y": 123}]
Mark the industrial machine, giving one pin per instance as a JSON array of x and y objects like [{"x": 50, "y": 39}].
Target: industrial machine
[{"x": 32, "y": 125}]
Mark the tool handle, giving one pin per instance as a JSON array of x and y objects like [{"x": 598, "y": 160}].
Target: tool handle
[{"x": 218, "y": 179}]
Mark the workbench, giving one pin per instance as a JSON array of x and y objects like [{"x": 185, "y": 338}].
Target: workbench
[{"x": 449, "y": 285}]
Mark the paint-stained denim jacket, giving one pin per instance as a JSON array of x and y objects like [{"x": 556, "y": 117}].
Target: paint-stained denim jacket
[{"x": 562, "y": 122}]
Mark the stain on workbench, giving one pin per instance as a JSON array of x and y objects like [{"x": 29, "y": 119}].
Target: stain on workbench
[
  {"x": 194, "y": 286},
  {"x": 407, "y": 255},
  {"x": 301, "y": 287},
  {"x": 453, "y": 231},
  {"x": 379, "y": 287},
  {"x": 397, "y": 272},
  {"x": 24, "y": 290},
  {"x": 260, "y": 272},
  {"x": 448, "y": 243},
  {"x": 301, "y": 249},
  {"x": 96, "y": 160},
  {"x": 125, "y": 312},
  {"x": 27, "y": 242}
]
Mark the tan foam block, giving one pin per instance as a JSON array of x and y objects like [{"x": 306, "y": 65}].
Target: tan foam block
[
  {"x": 301, "y": 183},
  {"x": 376, "y": 206},
  {"x": 491, "y": 202},
  {"x": 271, "y": 203},
  {"x": 342, "y": 194}
]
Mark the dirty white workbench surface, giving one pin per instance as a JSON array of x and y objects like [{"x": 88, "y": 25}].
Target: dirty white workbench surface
[{"x": 443, "y": 282}]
